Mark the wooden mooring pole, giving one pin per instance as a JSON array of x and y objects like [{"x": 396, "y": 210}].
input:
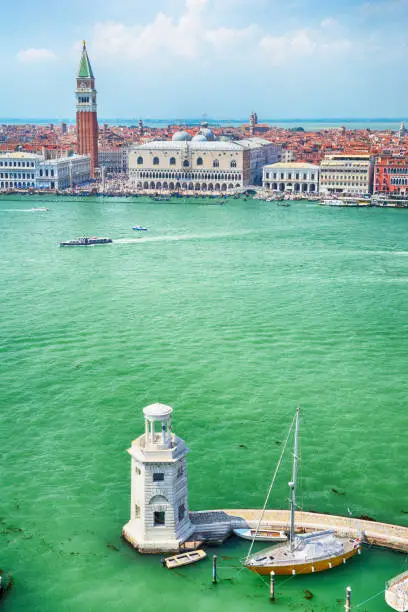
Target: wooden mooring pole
[
  {"x": 347, "y": 607},
  {"x": 214, "y": 570},
  {"x": 272, "y": 586}
]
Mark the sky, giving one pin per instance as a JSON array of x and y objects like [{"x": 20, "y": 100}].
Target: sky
[{"x": 225, "y": 58}]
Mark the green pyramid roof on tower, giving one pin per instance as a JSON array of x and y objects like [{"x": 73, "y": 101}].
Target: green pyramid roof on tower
[{"x": 85, "y": 69}]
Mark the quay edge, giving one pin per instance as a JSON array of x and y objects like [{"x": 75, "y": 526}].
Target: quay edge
[{"x": 214, "y": 526}]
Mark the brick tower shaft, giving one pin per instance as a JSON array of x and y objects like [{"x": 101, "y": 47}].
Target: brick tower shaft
[{"x": 86, "y": 111}]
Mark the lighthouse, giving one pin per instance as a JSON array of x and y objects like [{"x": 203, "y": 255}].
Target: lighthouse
[{"x": 159, "y": 517}]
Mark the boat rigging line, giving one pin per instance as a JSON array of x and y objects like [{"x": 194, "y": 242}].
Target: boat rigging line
[{"x": 270, "y": 488}]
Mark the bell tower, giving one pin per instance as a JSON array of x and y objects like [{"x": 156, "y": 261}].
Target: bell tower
[
  {"x": 86, "y": 115},
  {"x": 159, "y": 518}
]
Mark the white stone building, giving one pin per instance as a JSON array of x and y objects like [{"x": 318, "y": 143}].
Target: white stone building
[
  {"x": 64, "y": 172},
  {"x": 293, "y": 177},
  {"x": 199, "y": 163},
  {"x": 287, "y": 155},
  {"x": 159, "y": 515},
  {"x": 348, "y": 174},
  {"x": 18, "y": 170},
  {"x": 21, "y": 170}
]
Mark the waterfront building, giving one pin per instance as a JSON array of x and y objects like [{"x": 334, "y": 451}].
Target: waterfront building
[
  {"x": 86, "y": 111},
  {"x": 63, "y": 172},
  {"x": 159, "y": 516},
  {"x": 391, "y": 175},
  {"x": 21, "y": 170},
  {"x": 199, "y": 162},
  {"x": 295, "y": 177},
  {"x": 346, "y": 173},
  {"x": 113, "y": 160},
  {"x": 262, "y": 152},
  {"x": 18, "y": 170}
]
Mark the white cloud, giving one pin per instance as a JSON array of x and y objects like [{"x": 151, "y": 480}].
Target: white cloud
[
  {"x": 282, "y": 50},
  {"x": 191, "y": 36},
  {"x": 164, "y": 35},
  {"x": 36, "y": 55},
  {"x": 225, "y": 40},
  {"x": 329, "y": 22}
]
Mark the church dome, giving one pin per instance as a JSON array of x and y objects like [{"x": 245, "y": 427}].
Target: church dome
[
  {"x": 181, "y": 136},
  {"x": 199, "y": 138},
  {"x": 207, "y": 133}
]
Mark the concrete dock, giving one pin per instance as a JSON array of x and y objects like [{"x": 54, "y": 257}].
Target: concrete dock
[{"x": 214, "y": 526}]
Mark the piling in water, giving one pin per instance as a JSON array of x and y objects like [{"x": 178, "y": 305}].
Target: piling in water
[
  {"x": 347, "y": 607},
  {"x": 214, "y": 570},
  {"x": 272, "y": 586}
]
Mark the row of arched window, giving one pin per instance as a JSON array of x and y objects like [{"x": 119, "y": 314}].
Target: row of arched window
[
  {"x": 179, "y": 175},
  {"x": 186, "y": 163}
]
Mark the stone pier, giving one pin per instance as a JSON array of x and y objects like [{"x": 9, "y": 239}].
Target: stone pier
[{"x": 215, "y": 526}]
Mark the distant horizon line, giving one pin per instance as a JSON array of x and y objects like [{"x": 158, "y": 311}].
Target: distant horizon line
[{"x": 183, "y": 121}]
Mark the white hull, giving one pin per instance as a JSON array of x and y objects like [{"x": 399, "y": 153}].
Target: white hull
[
  {"x": 263, "y": 535},
  {"x": 396, "y": 593}
]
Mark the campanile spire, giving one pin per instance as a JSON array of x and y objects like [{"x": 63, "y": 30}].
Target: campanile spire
[{"x": 86, "y": 110}]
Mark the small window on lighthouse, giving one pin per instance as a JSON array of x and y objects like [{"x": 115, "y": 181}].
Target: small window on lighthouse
[
  {"x": 158, "y": 476},
  {"x": 159, "y": 518},
  {"x": 137, "y": 511},
  {"x": 181, "y": 512}
]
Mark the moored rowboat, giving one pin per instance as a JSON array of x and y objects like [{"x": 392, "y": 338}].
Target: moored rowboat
[{"x": 184, "y": 559}]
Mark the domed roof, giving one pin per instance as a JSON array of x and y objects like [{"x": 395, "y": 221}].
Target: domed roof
[
  {"x": 199, "y": 138},
  {"x": 157, "y": 411},
  {"x": 180, "y": 136},
  {"x": 207, "y": 133}
]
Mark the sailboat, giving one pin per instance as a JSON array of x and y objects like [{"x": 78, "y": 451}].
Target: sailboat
[{"x": 303, "y": 553}]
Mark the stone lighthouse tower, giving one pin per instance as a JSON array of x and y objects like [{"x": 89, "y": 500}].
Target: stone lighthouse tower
[
  {"x": 159, "y": 518},
  {"x": 86, "y": 117}
]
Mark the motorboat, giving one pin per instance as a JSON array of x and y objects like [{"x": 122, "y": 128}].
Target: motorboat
[{"x": 139, "y": 228}]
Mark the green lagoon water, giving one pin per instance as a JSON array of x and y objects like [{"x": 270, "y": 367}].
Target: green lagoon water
[{"x": 232, "y": 315}]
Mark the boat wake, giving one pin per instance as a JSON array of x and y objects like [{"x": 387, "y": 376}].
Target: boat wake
[
  {"x": 23, "y": 209},
  {"x": 179, "y": 237}
]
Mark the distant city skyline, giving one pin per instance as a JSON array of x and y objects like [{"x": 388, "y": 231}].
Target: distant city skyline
[{"x": 182, "y": 58}]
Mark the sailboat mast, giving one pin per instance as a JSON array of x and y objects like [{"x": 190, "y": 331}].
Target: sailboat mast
[{"x": 292, "y": 484}]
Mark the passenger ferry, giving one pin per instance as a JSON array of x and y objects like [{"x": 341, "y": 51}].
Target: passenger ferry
[{"x": 86, "y": 241}]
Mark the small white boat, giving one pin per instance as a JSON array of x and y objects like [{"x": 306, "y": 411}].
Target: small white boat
[
  {"x": 396, "y": 592},
  {"x": 139, "y": 228},
  {"x": 184, "y": 559},
  {"x": 262, "y": 535}
]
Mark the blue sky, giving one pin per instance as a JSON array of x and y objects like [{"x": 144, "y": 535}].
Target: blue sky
[{"x": 181, "y": 58}]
